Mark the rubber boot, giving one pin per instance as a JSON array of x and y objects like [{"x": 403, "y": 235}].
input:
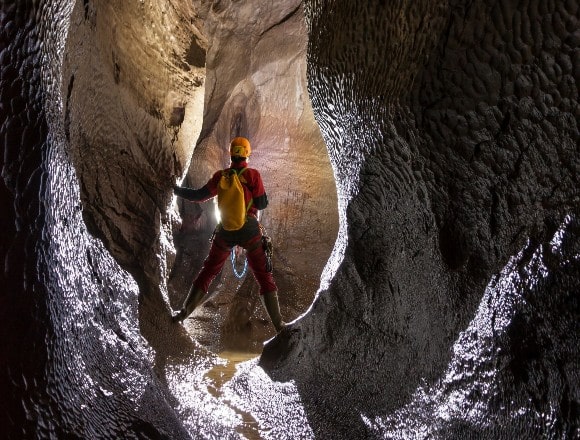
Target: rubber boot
[
  {"x": 270, "y": 303},
  {"x": 191, "y": 302}
]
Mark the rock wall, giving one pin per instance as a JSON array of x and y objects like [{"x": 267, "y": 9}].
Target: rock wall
[
  {"x": 134, "y": 75},
  {"x": 72, "y": 361},
  {"x": 454, "y": 127}
]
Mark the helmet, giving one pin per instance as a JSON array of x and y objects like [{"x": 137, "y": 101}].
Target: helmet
[{"x": 240, "y": 147}]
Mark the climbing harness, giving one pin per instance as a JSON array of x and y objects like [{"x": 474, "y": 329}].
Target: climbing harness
[
  {"x": 268, "y": 252},
  {"x": 233, "y": 256}
]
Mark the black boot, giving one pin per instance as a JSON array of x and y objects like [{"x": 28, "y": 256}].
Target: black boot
[
  {"x": 270, "y": 303},
  {"x": 191, "y": 302}
]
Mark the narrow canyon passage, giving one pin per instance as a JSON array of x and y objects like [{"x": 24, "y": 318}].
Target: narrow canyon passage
[
  {"x": 145, "y": 129},
  {"x": 422, "y": 165}
]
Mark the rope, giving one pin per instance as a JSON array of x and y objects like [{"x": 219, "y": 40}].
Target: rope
[{"x": 233, "y": 259}]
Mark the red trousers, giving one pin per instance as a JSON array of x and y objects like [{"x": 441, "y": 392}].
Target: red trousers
[{"x": 250, "y": 238}]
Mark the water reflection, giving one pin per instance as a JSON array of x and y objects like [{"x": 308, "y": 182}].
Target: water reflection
[{"x": 222, "y": 373}]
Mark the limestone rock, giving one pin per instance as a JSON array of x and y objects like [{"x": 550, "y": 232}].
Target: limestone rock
[{"x": 449, "y": 306}]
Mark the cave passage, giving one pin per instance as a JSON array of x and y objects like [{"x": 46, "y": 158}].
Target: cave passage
[
  {"x": 422, "y": 156},
  {"x": 168, "y": 92}
]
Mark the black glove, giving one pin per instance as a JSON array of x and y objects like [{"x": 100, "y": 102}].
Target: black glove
[
  {"x": 194, "y": 195},
  {"x": 179, "y": 191}
]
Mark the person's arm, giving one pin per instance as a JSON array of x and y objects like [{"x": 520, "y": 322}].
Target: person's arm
[
  {"x": 202, "y": 194},
  {"x": 194, "y": 195},
  {"x": 259, "y": 193},
  {"x": 261, "y": 202}
]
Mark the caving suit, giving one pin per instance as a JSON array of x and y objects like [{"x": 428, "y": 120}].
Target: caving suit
[{"x": 248, "y": 237}]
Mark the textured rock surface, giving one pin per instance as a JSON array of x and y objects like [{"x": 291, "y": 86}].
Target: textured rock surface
[
  {"x": 72, "y": 360},
  {"x": 452, "y": 129},
  {"x": 469, "y": 148},
  {"x": 130, "y": 86}
]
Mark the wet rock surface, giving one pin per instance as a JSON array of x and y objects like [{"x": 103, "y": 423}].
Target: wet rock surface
[
  {"x": 449, "y": 306},
  {"x": 454, "y": 156}
]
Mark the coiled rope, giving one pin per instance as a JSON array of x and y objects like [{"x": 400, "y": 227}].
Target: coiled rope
[{"x": 233, "y": 259}]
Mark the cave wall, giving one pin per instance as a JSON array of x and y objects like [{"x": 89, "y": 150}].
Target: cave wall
[
  {"x": 452, "y": 301},
  {"x": 133, "y": 86},
  {"x": 72, "y": 360},
  {"x": 456, "y": 146},
  {"x": 143, "y": 67}
]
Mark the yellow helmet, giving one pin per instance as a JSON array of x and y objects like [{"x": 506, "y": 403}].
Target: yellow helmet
[{"x": 240, "y": 147}]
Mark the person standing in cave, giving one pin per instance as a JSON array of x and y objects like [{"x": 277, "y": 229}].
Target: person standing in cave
[{"x": 249, "y": 236}]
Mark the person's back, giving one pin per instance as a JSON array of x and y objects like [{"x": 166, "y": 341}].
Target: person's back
[{"x": 246, "y": 231}]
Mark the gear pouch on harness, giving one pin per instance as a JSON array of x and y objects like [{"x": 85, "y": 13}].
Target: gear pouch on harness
[{"x": 231, "y": 202}]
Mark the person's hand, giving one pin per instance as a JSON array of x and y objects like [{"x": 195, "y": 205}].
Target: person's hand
[{"x": 194, "y": 195}]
